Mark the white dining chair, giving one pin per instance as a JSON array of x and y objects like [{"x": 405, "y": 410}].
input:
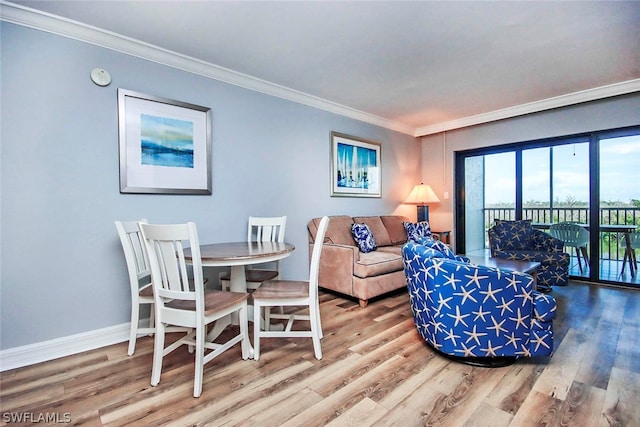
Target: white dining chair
[
  {"x": 260, "y": 229},
  {"x": 287, "y": 293},
  {"x": 179, "y": 304},
  {"x": 139, "y": 278}
]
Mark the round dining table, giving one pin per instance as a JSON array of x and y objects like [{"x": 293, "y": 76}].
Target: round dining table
[{"x": 237, "y": 255}]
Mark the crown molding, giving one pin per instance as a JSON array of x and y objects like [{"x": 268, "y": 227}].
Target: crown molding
[
  {"x": 43, "y": 21},
  {"x": 608, "y": 91},
  {"x": 47, "y": 22}
]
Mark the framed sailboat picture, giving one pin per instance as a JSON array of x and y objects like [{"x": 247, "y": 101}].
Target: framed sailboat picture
[
  {"x": 165, "y": 145},
  {"x": 355, "y": 167}
]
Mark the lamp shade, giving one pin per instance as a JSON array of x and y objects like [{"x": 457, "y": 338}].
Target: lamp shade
[{"x": 422, "y": 194}]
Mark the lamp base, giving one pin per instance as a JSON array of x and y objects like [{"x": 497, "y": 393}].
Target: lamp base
[{"x": 423, "y": 213}]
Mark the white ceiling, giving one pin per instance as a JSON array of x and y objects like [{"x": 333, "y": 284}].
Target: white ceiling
[{"x": 422, "y": 66}]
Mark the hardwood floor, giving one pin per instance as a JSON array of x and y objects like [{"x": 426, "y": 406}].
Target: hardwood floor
[{"x": 376, "y": 371}]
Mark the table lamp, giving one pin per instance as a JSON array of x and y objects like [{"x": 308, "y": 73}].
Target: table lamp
[{"x": 422, "y": 195}]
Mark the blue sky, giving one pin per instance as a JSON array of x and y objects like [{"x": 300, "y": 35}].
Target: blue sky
[{"x": 619, "y": 172}]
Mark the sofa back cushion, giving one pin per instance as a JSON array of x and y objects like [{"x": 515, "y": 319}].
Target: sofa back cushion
[
  {"x": 393, "y": 224},
  {"x": 377, "y": 228},
  {"x": 338, "y": 232}
]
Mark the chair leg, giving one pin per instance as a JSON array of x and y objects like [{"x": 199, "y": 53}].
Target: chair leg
[
  {"x": 256, "y": 330},
  {"x": 197, "y": 379},
  {"x": 244, "y": 331},
  {"x": 579, "y": 260},
  {"x": 585, "y": 255},
  {"x": 133, "y": 330},
  {"x": 319, "y": 319},
  {"x": 158, "y": 353},
  {"x": 314, "y": 316}
]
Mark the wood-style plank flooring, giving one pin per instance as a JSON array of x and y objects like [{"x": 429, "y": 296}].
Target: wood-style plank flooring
[{"x": 376, "y": 371}]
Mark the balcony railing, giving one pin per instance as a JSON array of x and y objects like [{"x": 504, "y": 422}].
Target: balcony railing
[{"x": 610, "y": 243}]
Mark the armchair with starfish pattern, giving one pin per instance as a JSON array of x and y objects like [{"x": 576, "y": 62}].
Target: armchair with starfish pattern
[
  {"x": 518, "y": 240},
  {"x": 476, "y": 314}
]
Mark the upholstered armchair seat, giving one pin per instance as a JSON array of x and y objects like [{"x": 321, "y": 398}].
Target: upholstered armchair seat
[
  {"x": 474, "y": 312},
  {"x": 518, "y": 240}
]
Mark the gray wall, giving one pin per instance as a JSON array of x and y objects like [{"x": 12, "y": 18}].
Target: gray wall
[
  {"x": 62, "y": 267},
  {"x": 438, "y": 150}
]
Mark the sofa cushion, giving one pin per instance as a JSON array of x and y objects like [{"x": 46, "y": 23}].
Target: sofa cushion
[
  {"x": 417, "y": 230},
  {"x": 378, "y": 262},
  {"x": 339, "y": 230},
  {"x": 377, "y": 228},
  {"x": 364, "y": 237},
  {"x": 393, "y": 224}
]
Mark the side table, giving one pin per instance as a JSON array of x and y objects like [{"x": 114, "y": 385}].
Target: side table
[{"x": 445, "y": 236}]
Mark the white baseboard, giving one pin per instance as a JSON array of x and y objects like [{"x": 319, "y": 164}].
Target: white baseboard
[{"x": 18, "y": 357}]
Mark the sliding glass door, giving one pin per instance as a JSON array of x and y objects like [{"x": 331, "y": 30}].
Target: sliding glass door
[
  {"x": 558, "y": 180},
  {"x": 619, "y": 212}
]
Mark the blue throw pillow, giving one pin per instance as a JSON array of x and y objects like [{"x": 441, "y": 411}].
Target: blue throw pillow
[
  {"x": 440, "y": 247},
  {"x": 417, "y": 231},
  {"x": 363, "y": 237}
]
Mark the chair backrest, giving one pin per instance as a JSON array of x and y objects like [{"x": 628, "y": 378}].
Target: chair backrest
[
  {"x": 634, "y": 238},
  {"x": 266, "y": 229},
  {"x": 135, "y": 253},
  {"x": 314, "y": 267},
  {"x": 570, "y": 233},
  {"x": 166, "y": 244}
]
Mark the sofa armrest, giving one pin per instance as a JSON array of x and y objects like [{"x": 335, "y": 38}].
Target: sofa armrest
[{"x": 336, "y": 267}]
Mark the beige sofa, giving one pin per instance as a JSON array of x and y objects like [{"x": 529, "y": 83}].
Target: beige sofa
[{"x": 344, "y": 269}]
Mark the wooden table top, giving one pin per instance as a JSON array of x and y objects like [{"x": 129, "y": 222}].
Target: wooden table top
[{"x": 237, "y": 252}]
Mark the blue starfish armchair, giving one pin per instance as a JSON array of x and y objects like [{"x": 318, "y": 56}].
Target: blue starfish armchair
[
  {"x": 518, "y": 240},
  {"x": 476, "y": 314}
]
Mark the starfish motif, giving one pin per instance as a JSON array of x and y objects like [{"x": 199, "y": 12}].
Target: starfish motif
[
  {"x": 466, "y": 295},
  {"x": 437, "y": 266},
  {"x": 475, "y": 278},
  {"x": 459, "y": 317},
  {"x": 497, "y": 326},
  {"x": 466, "y": 352},
  {"x": 540, "y": 341},
  {"x": 474, "y": 335},
  {"x": 513, "y": 282},
  {"x": 452, "y": 281},
  {"x": 527, "y": 257},
  {"x": 480, "y": 314},
  {"x": 520, "y": 320},
  {"x": 505, "y": 306},
  {"x": 451, "y": 336},
  {"x": 512, "y": 340},
  {"x": 491, "y": 351},
  {"x": 490, "y": 293},
  {"x": 524, "y": 351},
  {"x": 437, "y": 326},
  {"x": 443, "y": 302}
]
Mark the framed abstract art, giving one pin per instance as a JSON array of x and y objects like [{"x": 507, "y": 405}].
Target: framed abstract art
[{"x": 165, "y": 145}]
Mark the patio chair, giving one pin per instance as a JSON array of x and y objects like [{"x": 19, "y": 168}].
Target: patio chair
[
  {"x": 574, "y": 236},
  {"x": 630, "y": 255}
]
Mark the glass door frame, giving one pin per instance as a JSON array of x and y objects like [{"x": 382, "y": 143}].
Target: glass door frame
[{"x": 593, "y": 138}]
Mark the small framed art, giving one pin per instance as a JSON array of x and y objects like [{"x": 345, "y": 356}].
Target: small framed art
[
  {"x": 355, "y": 167},
  {"x": 165, "y": 145}
]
